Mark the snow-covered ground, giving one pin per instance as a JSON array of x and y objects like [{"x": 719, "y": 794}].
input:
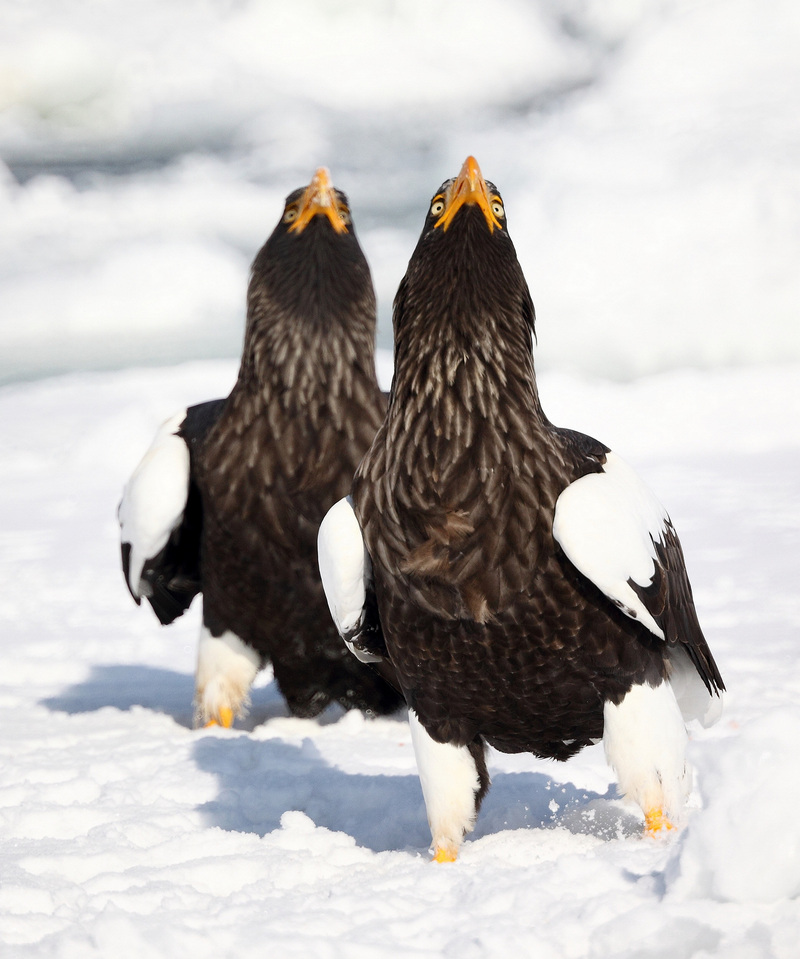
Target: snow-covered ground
[
  {"x": 126, "y": 833},
  {"x": 649, "y": 155}
]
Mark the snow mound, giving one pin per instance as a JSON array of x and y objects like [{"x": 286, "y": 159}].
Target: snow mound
[{"x": 745, "y": 846}]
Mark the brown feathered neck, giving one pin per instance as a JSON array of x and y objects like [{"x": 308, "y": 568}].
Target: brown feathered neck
[
  {"x": 306, "y": 403},
  {"x": 464, "y": 321},
  {"x": 457, "y": 492},
  {"x": 310, "y": 330}
]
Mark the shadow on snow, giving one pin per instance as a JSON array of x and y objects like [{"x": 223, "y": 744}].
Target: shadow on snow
[
  {"x": 261, "y": 780},
  {"x": 160, "y": 690}
]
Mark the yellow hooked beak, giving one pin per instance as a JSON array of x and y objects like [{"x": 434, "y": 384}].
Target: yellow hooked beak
[
  {"x": 468, "y": 187},
  {"x": 319, "y": 197}
]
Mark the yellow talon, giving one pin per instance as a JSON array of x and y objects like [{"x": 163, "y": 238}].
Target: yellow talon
[
  {"x": 445, "y": 854},
  {"x": 655, "y": 821},
  {"x": 225, "y": 718}
]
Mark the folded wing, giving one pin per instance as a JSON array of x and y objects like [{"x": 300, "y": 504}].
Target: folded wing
[
  {"x": 614, "y": 530},
  {"x": 346, "y": 572},
  {"x": 161, "y": 516}
]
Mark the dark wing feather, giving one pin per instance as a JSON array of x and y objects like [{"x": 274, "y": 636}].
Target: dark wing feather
[
  {"x": 367, "y": 637},
  {"x": 668, "y": 599},
  {"x": 199, "y": 420},
  {"x": 126, "y": 569}
]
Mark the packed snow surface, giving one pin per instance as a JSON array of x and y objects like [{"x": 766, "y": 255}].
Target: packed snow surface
[{"x": 126, "y": 833}]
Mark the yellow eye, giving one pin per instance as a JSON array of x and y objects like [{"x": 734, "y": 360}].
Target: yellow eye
[
  {"x": 497, "y": 207},
  {"x": 344, "y": 215},
  {"x": 437, "y": 207},
  {"x": 290, "y": 214}
]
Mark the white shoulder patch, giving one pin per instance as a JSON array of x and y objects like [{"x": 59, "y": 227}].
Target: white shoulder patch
[
  {"x": 606, "y": 523},
  {"x": 154, "y": 497},
  {"x": 344, "y": 564}
]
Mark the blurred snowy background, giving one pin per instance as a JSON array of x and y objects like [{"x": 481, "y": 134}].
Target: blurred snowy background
[{"x": 648, "y": 152}]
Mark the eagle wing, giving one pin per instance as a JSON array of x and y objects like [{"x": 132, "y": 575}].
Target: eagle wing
[
  {"x": 161, "y": 514},
  {"x": 614, "y": 530},
  {"x": 346, "y": 572}
]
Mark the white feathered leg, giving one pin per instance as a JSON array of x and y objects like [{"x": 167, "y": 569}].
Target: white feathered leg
[
  {"x": 226, "y": 668},
  {"x": 450, "y": 786},
  {"x": 645, "y": 744}
]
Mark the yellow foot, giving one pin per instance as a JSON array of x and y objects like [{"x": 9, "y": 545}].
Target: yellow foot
[
  {"x": 447, "y": 853},
  {"x": 225, "y": 718},
  {"x": 655, "y": 822}
]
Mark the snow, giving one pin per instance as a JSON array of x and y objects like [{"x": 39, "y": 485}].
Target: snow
[
  {"x": 647, "y": 151},
  {"x": 770, "y": 785},
  {"x": 649, "y": 159},
  {"x": 125, "y": 831}
]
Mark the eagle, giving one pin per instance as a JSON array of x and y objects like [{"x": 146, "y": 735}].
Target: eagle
[
  {"x": 228, "y": 499},
  {"x": 526, "y": 587}
]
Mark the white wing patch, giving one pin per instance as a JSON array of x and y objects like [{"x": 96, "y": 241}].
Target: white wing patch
[
  {"x": 607, "y": 523},
  {"x": 154, "y": 498},
  {"x": 345, "y": 570}
]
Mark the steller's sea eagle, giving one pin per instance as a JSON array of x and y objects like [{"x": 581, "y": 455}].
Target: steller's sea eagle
[
  {"x": 228, "y": 499},
  {"x": 526, "y": 587}
]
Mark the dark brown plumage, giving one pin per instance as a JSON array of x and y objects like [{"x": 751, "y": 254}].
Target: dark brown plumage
[
  {"x": 266, "y": 463},
  {"x": 494, "y": 634}
]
